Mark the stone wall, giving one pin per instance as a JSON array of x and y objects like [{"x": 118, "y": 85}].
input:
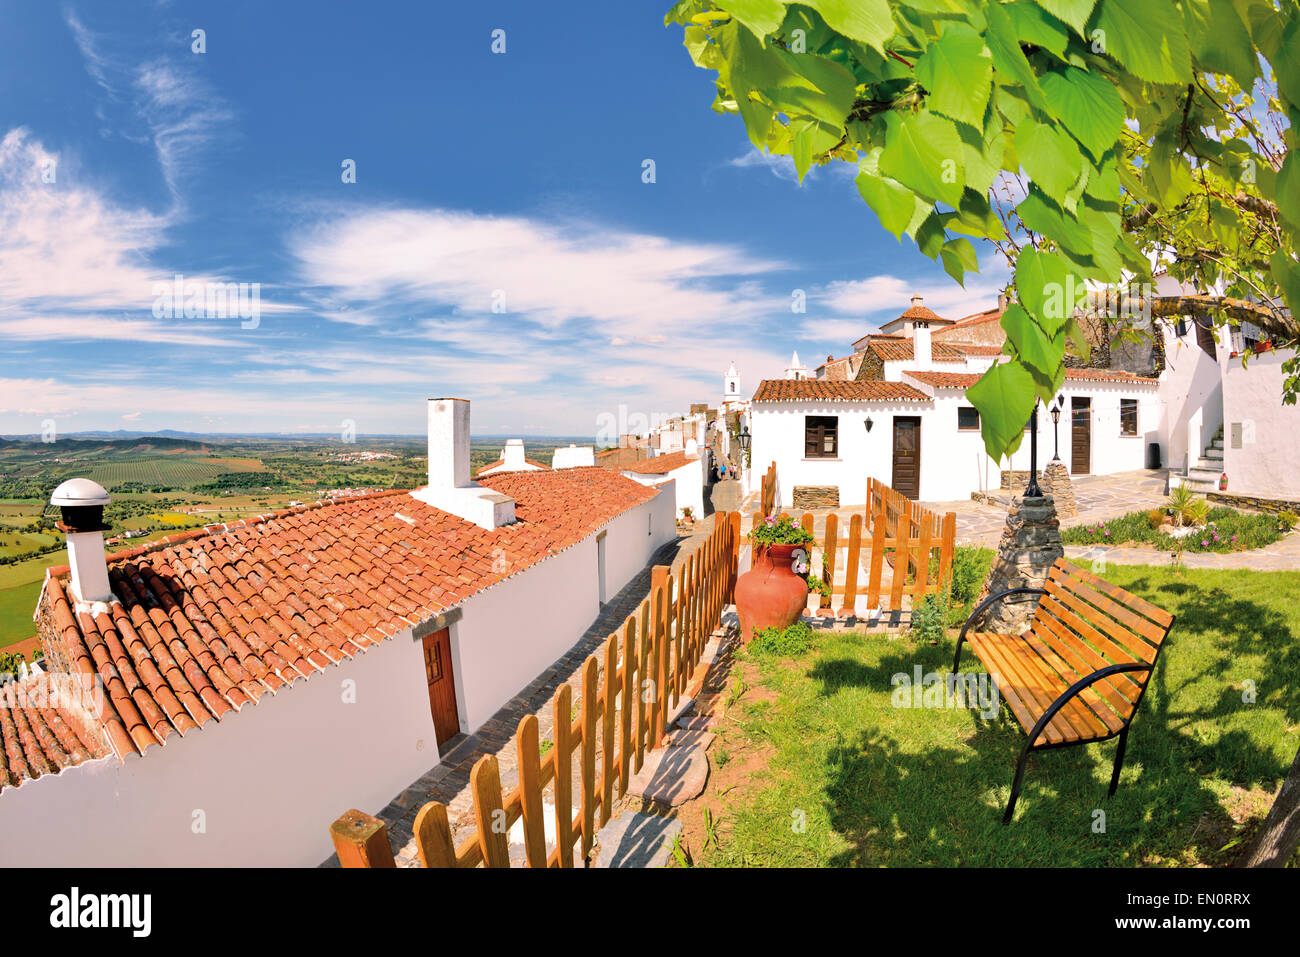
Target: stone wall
[
  {"x": 1031, "y": 543},
  {"x": 816, "y": 496},
  {"x": 1273, "y": 505},
  {"x": 1053, "y": 480}
]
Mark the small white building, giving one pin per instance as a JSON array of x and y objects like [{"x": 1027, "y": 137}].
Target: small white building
[
  {"x": 684, "y": 470},
  {"x": 512, "y": 460},
  {"x": 573, "y": 457}
]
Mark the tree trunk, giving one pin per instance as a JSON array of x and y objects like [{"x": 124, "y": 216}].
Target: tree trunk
[{"x": 1278, "y": 838}]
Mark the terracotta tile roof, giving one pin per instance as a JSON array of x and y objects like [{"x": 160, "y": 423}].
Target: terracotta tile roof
[
  {"x": 988, "y": 315},
  {"x": 1109, "y": 375},
  {"x": 924, "y": 313},
  {"x": 890, "y": 348},
  {"x": 43, "y": 732},
  {"x": 868, "y": 390},
  {"x": 944, "y": 380},
  {"x": 975, "y": 350},
  {"x": 500, "y": 462},
  {"x": 661, "y": 464},
  {"x": 212, "y": 619}
]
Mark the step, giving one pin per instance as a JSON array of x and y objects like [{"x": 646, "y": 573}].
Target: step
[
  {"x": 634, "y": 839},
  {"x": 1204, "y": 472},
  {"x": 1217, "y": 444},
  {"x": 671, "y": 775},
  {"x": 1212, "y": 455}
]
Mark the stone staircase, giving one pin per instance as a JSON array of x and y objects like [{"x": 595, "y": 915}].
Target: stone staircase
[{"x": 1204, "y": 475}]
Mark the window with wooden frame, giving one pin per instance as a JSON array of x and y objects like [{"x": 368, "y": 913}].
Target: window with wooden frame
[
  {"x": 821, "y": 439},
  {"x": 968, "y": 418},
  {"x": 1128, "y": 416}
]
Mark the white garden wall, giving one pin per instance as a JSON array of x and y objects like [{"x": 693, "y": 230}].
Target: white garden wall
[{"x": 1267, "y": 464}]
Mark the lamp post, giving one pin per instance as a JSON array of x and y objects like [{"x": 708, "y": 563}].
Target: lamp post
[
  {"x": 744, "y": 438},
  {"x": 1056, "y": 432},
  {"x": 1032, "y": 490}
]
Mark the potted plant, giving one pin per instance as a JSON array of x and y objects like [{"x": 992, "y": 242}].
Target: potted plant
[{"x": 772, "y": 594}]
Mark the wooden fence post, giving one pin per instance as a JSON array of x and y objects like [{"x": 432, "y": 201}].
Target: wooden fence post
[
  {"x": 361, "y": 841},
  {"x": 589, "y": 672},
  {"x": 433, "y": 836},
  {"x": 528, "y": 758},
  {"x": 490, "y": 818},
  {"x": 562, "y": 719},
  {"x": 629, "y": 703},
  {"x": 608, "y": 766}
]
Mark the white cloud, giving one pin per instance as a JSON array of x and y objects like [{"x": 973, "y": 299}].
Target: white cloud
[{"x": 544, "y": 273}]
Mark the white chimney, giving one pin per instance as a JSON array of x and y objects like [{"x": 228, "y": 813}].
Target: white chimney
[
  {"x": 82, "y": 503},
  {"x": 512, "y": 456},
  {"x": 917, "y": 301},
  {"x": 450, "y": 487},
  {"x": 921, "y": 351}
]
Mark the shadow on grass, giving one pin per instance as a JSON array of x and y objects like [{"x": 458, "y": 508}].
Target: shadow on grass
[{"x": 943, "y": 806}]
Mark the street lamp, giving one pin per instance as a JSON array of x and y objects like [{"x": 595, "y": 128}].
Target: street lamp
[
  {"x": 744, "y": 439},
  {"x": 868, "y": 423},
  {"x": 1033, "y": 491},
  {"x": 1056, "y": 432}
]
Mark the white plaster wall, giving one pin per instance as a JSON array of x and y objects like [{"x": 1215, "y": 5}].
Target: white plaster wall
[
  {"x": 268, "y": 780},
  {"x": 511, "y": 633},
  {"x": 1191, "y": 397},
  {"x": 1268, "y": 466}
]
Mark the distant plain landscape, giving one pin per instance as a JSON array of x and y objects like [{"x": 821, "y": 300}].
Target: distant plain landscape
[{"x": 162, "y": 484}]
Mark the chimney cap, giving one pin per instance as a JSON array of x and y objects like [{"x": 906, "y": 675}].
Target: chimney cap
[{"x": 79, "y": 492}]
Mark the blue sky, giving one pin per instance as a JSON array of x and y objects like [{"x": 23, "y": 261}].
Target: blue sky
[{"x": 508, "y": 182}]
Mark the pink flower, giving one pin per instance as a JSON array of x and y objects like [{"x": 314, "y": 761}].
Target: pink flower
[
  {"x": 1204, "y": 543},
  {"x": 1234, "y": 538},
  {"x": 770, "y": 520},
  {"x": 1107, "y": 533}
]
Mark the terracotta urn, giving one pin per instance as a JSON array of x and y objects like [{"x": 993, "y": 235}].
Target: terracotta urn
[{"x": 770, "y": 594}]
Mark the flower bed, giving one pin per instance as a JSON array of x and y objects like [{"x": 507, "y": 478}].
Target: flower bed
[{"x": 1225, "y": 530}]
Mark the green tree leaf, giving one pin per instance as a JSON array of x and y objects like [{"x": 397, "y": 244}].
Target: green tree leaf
[
  {"x": 761, "y": 16},
  {"x": 1050, "y": 157},
  {"x": 1042, "y": 216},
  {"x": 1048, "y": 288},
  {"x": 959, "y": 257},
  {"x": 1146, "y": 37},
  {"x": 1088, "y": 105},
  {"x": 1220, "y": 41},
  {"x": 866, "y": 20},
  {"x": 924, "y": 152},
  {"x": 957, "y": 73},
  {"x": 1038, "y": 351},
  {"x": 899, "y": 209},
  {"x": 1005, "y": 396},
  {"x": 1073, "y": 12}
]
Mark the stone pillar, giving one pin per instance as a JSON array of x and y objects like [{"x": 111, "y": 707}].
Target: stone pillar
[
  {"x": 1056, "y": 483},
  {"x": 1031, "y": 543}
]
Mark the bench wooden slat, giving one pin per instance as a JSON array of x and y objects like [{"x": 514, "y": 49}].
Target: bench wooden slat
[
  {"x": 1143, "y": 628},
  {"x": 1017, "y": 680},
  {"x": 1157, "y": 614},
  {"x": 1083, "y": 618},
  {"x": 1110, "y": 707},
  {"x": 1079, "y": 653}
]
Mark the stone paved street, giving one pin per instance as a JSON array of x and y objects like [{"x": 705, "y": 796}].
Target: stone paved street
[{"x": 448, "y": 782}]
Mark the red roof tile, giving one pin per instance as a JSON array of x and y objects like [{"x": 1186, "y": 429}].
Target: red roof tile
[
  {"x": 500, "y": 462},
  {"x": 661, "y": 464},
  {"x": 1109, "y": 375},
  {"x": 44, "y": 728},
  {"x": 869, "y": 390},
  {"x": 889, "y": 348},
  {"x": 210, "y": 620},
  {"x": 944, "y": 380}
]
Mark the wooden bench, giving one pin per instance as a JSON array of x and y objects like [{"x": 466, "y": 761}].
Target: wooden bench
[{"x": 1078, "y": 674}]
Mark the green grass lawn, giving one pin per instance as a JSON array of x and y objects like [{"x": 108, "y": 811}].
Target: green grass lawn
[{"x": 879, "y": 785}]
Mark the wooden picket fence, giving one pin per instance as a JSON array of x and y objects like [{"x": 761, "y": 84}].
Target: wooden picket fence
[
  {"x": 767, "y": 496},
  {"x": 916, "y": 542},
  {"x": 650, "y": 664}
]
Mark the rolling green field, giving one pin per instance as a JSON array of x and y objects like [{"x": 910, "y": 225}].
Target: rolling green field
[{"x": 169, "y": 470}]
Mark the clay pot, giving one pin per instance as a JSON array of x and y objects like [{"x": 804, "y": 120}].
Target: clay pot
[{"x": 770, "y": 594}]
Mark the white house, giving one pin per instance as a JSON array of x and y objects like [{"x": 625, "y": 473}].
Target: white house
[
  {"x": 575, "y": 456},
  {"x": 896, "y": 410},
  {"x": 685, "y": 471},
  {"x": 244, "y": 682}
]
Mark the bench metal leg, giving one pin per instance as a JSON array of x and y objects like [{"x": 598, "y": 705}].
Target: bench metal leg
[
  {"x": 956, "y": 658},
  {"x": 1015, "y": 785},
  {"x": 1119, "y": 763}
]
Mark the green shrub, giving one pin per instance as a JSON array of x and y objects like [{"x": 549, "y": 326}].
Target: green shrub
[
  {"x": 1286, "y": 520},
  {"x": 1225, "y": 530},
  {"x": 1156, "y": 517},
  {"x": 790, "y": 642},
  {"x": 969, "y": 568},
  {"x": 930, "y": 617},
  {"x": 819, "y": 586},
  {"x": 782, "y": 531}
]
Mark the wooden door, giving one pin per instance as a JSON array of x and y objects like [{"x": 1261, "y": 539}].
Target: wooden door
[
  {"x": 442, "y": 685},
  {"x": 1080, "y": 435},
  {"x": 907, "y": 456}
]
